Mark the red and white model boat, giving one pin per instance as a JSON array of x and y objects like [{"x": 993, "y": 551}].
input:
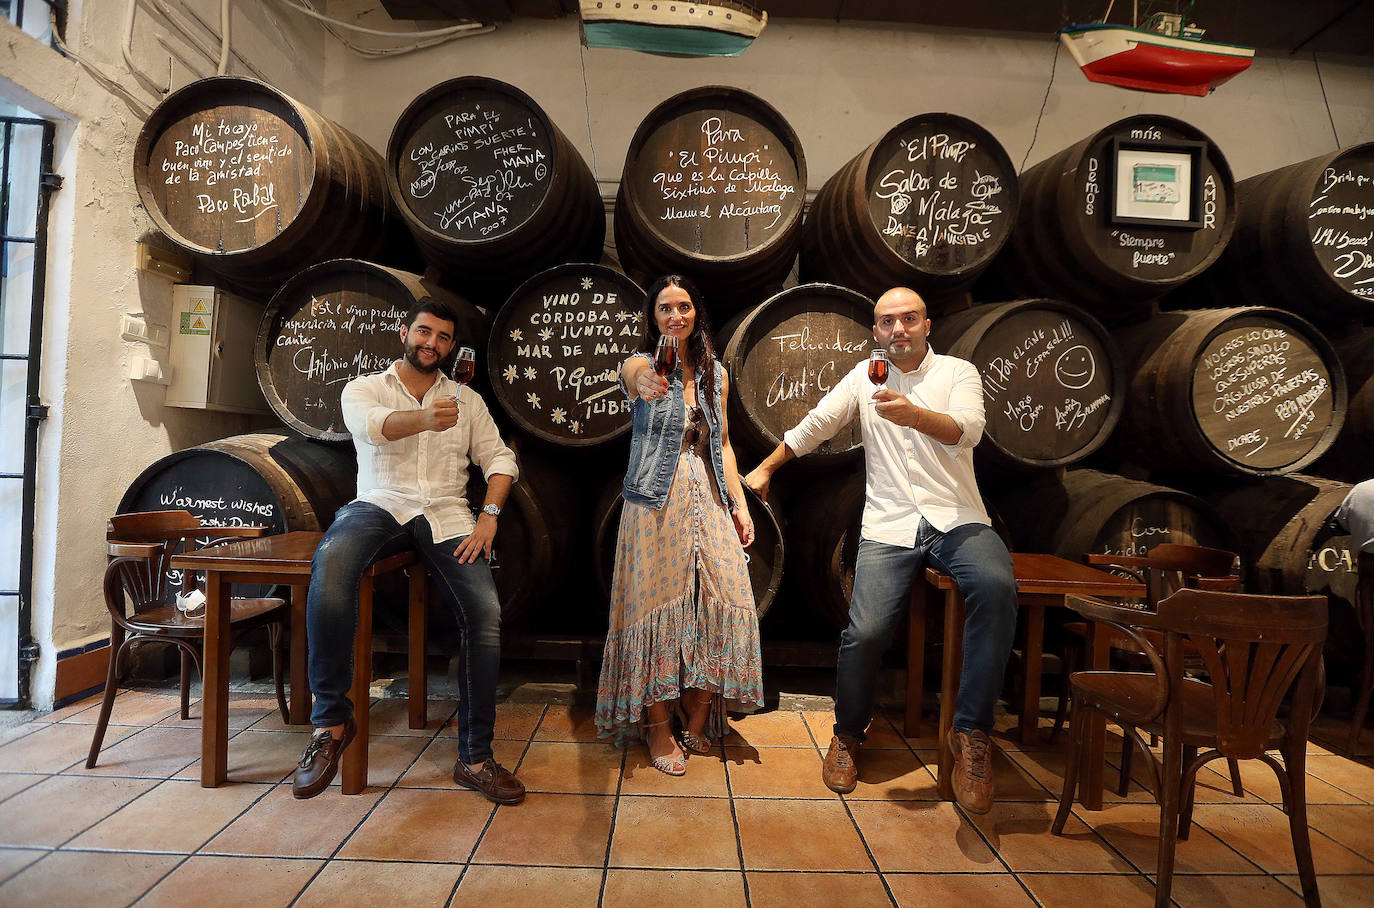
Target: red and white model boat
[{"x": 1162, "y": 55}]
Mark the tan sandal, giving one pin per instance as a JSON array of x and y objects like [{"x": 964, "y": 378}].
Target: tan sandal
[{"x": 671, "y": 766}]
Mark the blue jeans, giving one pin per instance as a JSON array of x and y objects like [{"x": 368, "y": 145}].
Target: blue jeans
[
  {"x": 975, "y": 556},
  {"x": 360, "y": 532}
]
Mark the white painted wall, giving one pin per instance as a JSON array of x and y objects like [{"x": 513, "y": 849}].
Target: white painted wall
[{"x": 840, "y": 85}]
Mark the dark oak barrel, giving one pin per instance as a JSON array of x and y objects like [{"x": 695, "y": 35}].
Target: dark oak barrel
[
  {"x": 1349, "y": 457},
  {"x": 784, "y": 355},
  {"x": 927, "y": 206},
  {"x": 712, "y": 188},
  {"x": 1245, "y": 391},
  {"x": 764, "y": 558},
  {"x": 333, "y": 322},
  {"x": 1053, "y": 386},
  {"x": 490, "y": 188},
  {"x": 823, "y": 528},
  {"x": 258, "y": 186},
  {"x": 1087, "y": 511},
  {"x": 1089, "y": 228},
  {"x": 1304, "y": 240},
  {"x": 555, "y": 353}
]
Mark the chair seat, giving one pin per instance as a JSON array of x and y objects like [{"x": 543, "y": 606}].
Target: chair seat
[
  {"x": 171, "y": 621},
  {"x": 1127, "y": 694}
]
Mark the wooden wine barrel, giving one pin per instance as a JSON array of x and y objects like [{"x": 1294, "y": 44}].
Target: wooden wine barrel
[
  {"x": 785, "y": 354},
  {"x": 712, "y": 188},
  {"x": 333, "y": 322},
  {"x": 1303, "y": 240},
  {"x": 764, "y": 558},
  {"x": 1052, "y": 381},
  {"x": 258, "y": 186},
  {"x": 1246, "y": 391},
  {"x": 927, "y": 206},
  {"x": 1087, "y": 511},
  {"x": 555, "y": 354},
  {"x": 1349, "y": 457},
  {"x": 490, "y": 188},
  {"x": 1120, "y": 218}
]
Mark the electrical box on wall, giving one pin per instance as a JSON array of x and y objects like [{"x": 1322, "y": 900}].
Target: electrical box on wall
[{"x": 212, "y": 351}]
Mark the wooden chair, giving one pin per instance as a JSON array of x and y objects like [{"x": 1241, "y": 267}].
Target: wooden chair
[
  {"x": 1364, "y": 614},
  {"x": 1256, "y": 650},
  {"x": 138, "y": 596}
]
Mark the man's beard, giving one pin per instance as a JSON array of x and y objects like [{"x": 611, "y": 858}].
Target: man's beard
[{"x": 412, "y": 356}]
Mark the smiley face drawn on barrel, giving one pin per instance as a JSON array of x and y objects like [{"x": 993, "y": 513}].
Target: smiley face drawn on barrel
[{"x": 1075, "y": 367}]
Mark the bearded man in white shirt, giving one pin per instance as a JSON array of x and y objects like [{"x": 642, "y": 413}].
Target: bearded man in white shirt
[
  {"x": 921, "y": 501},
  {"x": 416, "y": 431}
]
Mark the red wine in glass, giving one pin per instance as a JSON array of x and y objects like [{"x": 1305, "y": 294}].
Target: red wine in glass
[
  {"x": 465, "y": 366},
  {"x": 877, "y": 367},
  {"x": 665, "y": 357}
]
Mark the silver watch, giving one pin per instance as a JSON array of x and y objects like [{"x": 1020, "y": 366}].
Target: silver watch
[{"x": 493, "y": 510}]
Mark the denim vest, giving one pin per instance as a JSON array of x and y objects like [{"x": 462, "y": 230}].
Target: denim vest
[{"x": 656, "y": 440}]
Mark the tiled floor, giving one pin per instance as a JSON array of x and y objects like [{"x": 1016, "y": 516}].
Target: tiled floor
[{"x": 602, "y": 827}]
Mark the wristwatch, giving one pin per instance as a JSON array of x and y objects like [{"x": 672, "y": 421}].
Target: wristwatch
[{"x": 493, "y": 510}]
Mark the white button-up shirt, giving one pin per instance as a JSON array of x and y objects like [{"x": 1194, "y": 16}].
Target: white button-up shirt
[
  {"x": 909, "y": 474},
  {"x": 425, "y": 473}
]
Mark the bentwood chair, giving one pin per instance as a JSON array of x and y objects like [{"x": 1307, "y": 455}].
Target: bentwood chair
[
  {"x": 1256, "y": 650},
  {"x": 1364, "y": 614},
  {"x": 139, "y": 598}
]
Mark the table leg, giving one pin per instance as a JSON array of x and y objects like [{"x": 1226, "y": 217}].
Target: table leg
[
  {"x": 355, "y": 757},
  {"x": 419, "y": 688},
  {"x": 214, "y": 728},
  {"x": 1090, "y": 776},
  {"x": 300, "y": 649},
  {"x": 915, "y": 657},
  {"x": 949, "y": 687},
  {"x": 1031, "y": 663}
]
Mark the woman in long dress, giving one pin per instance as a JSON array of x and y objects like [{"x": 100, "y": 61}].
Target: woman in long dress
[{"x": 684, "y": 630}]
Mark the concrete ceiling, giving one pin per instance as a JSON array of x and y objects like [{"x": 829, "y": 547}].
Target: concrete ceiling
[{"x": 1288, "y": 26}]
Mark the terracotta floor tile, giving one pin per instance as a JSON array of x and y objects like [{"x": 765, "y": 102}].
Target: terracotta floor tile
[
  {"x": 1261, "y": 834},
  {"x": 515, "y": 720},
  {"x": 705, "y": 776},
  {"x": 15, "y": 732},
  {"x": 86, "y": 878},
  {"x": 13, "y": 860},
  {"x": 1336, "y": 889},
  {"x": 881, "y": 732},
  {"x": 388, "y": 758},
  {"x": 1021, "y": 835},
  {"x": 258, "y": 756},
  {"x": 244, "y": 711},
  {"x": 422, "y": 825},
  {"x": 929, "y": 736},
  {"x": 552, "y": 829},
  {"x": 571, "y": 768},
  {"x": 134, "y": 707},
  {"x": 434, "y": 767},
  {"x": 71, "y": 709},
  {"x": 270, "y": 720},
  {"x": 54, "y": 810},
  {"x": 257, "y": 882},
  {"x": 177, "y": 816},
  {"x": 392, "y": 717},
  {"x": 675, "y": 888},
  {"x": 1352, "y": 826},
  {"x": 1346, "y": 774},
  {"x": 922, "y": 836},
  {"x": 674, "y": 833},
  {"x": 893, "y": 775},
  {"x": 56, "y": 746},
  {"x": 799, "y": 835},
  {"x": 568, "y": 723},
  {"x": 529, "y": 887},
  {"x": 1006, "y": 732},
  {"x": 775, "y": 772},
  {"x": 405, "y": 885},
  {"x": 1047, "y": 768},
  {"x": 154, "y": 753},
  {"x": 279, "y": 825},
  {"x": 1133, "y": 829},
  {"x": 790, "y": 889},
  {"x": 1216, "y": 889},
  {"x": 1260, "y": 781},
  {"x": 941, "y": 890},
  {"x": 11, "y": 783},
  {"x": 1073, "y": 890},
  {"x": 1011, "y": 781},
  {"x": 778, "y": 728}
]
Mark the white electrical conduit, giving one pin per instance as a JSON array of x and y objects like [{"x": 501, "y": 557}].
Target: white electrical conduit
[
  {"x": 174, "y": 17},
  {"x": 224, "y": 38},
  {"x": 432, "y": 33}
]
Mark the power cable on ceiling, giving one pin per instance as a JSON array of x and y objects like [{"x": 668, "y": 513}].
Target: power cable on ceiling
[
  {"x": 587, "y": 104},
  {"x": 1044, "y": 101},
  {"x": 1329, "y": 116},
  {"x": 434, "y": 37}
]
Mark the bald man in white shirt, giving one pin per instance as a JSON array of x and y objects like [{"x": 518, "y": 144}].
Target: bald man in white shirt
[{"x": 921, "y": 501}]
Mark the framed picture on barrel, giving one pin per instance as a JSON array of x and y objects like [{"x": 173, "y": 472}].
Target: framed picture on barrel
[{"x": 1156, "y": 184}]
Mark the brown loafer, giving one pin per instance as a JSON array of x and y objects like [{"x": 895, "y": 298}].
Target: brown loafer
[
  {"x": 320, "y": 762},
  {"x": 498, "y": 784},
  {"x": 841, "y": 770},
  {"x": 972, "y": 770}
]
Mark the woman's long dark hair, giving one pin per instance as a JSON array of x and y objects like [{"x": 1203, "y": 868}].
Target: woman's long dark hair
[{"x": 700, "y": 348}]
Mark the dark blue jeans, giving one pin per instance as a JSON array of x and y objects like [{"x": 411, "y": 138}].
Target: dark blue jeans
[
  {"x": 359, "y": 533},
  {"x": 975, "y": 556}
]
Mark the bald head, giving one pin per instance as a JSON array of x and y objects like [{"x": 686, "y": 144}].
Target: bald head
[
  {"x": 900, "y": 327},
  {"x": 899, "y": 299}
]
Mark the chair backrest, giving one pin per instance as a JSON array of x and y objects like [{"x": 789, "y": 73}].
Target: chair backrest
[
  {"x": 1255, "y": 649},
  {"x": 138, "y": 577},
  {"x": 1175, "y": 566}
]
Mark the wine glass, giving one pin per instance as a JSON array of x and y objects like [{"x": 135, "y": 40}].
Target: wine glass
[
  {"x": 465, "y": 366},
  {"x": 665, "y": 357},
  {"x": 877, "y": 367}
]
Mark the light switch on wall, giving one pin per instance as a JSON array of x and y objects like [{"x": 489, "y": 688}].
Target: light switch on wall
[{"x": 133, "y": 328}]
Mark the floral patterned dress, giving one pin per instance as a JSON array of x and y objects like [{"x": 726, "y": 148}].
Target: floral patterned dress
[{"x": 682, "y": 609}]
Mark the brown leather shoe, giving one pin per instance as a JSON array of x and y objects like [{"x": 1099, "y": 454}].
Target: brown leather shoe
[
  {"x": 497, "y": 783},
  {"x": 320, "y": 761},
  {"x": 841, "y": 770},
  {"x": 972, "y": 770}
]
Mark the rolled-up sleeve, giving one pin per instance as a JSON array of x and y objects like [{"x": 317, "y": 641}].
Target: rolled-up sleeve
[
  {"x": 966, "y": 407},
  {"x": 834, "y": 411},
  {"x": 485, "y": 447},
  {"x": 363, "y": 411}
]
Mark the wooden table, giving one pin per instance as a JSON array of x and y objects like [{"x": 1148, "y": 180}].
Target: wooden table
[
  {"x": 285, "y": 559},
  {"x": 1042, "y": 581}
]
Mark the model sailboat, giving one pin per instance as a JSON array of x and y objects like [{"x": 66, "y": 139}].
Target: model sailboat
[{"x": 676, "y": 28}]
